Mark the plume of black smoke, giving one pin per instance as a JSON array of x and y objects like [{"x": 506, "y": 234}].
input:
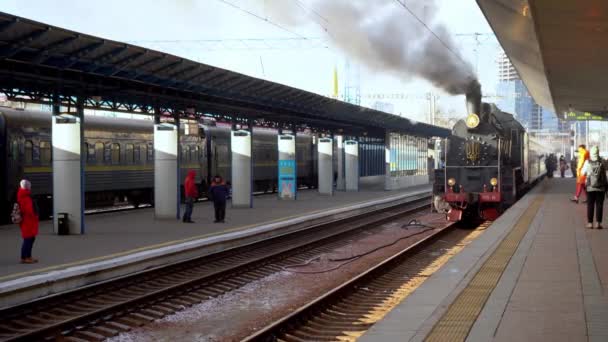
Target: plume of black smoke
[{"x": 383, "y": 36}]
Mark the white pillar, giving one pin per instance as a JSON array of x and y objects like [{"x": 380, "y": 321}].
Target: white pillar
[
  {"x": 351, "y": 162},
  {"x": 240, "y": 144},
  {"x": 166, "y": 172},
  {"x": 326, "y": 166},
  {"x": 287, "y": 167},
  {"x": 67, "y": 140},
  {"x": 387, "y": 162},
  {"x": 340, "y": 183}
]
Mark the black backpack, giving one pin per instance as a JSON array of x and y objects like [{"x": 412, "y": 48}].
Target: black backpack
[{"x": 597, "y": 177}]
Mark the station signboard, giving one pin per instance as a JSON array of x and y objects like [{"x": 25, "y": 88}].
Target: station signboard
[{"x": 586, "y": 116}]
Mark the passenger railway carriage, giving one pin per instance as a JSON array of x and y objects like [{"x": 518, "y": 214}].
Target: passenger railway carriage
[{"x": 120, "y": 158}]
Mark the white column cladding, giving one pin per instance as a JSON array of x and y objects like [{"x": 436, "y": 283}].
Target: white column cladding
[
  {"x": 387, "y": 162},
  {"x": 166, "y": 182},
  {"x": 351, "y": 162},
  {"x": 240, "y": 145},
  {"x": 67, "y": 143},
  {"x": 340, "y": 183},
  {"x": 287, "y": 167},
  {"x": 326, "y": 166}
]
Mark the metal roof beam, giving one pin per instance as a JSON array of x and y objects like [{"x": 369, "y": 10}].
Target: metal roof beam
[
  {"x": 8, "y": 24},
  {"x": 77, "y": 56},
  {"x": 22, "y": 42},
  {"x": 44, "y": 53},
  {"x": 167, "y": 67},
  {"x": 184, "y": 71}
]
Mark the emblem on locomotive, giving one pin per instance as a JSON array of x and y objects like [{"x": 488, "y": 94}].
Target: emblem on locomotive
[{"x": 472, "y": 150}]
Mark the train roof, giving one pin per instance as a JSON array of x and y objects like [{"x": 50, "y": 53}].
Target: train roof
[
  {"x": 16, "y": 117},
  {"x": 40, "y": 119}
]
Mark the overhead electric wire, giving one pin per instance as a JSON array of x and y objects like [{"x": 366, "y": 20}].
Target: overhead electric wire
[
  {"x": 262, "y": 18},
  {"x": 432, "y": 32}
]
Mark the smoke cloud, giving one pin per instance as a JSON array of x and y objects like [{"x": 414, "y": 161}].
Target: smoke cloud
[{"x": 382, "y": 35}]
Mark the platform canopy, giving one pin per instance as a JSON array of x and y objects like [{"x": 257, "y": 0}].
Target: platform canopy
[
  {"x": 559, "y": 48},
  {"x": 37, "y": 60}
]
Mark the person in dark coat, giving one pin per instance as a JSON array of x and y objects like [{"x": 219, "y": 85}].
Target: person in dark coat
[
  {"x": 29, "y": 221},
  {"x": 573, "y": 163},
  {"x": 191, "y": 194},
  {"x": 563, "y": 166},
  {"x": 219, "y": 193}
]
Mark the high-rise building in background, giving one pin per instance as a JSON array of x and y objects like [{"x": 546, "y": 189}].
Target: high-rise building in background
[{"x": 513, "y": 97}]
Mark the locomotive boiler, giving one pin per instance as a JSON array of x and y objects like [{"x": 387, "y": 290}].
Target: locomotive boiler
[{"x": 489, "y": 161}]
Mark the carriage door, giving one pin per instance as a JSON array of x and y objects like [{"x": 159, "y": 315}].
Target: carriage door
[{"x": 526, "y": 161}]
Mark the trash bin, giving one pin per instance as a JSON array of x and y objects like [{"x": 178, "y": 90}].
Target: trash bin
[{"x": 63, "y": 225}]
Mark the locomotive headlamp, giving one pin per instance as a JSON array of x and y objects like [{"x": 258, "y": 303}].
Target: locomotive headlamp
[
  {"x": 451, "y": 182},
  {"x": 472, "y": 120},
  {"x": 494, "y": 181}
]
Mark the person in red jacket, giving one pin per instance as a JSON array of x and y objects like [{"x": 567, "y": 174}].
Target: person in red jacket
[
  {"x": 29, "y": 221},
  {"x": 191, "y": 194}
]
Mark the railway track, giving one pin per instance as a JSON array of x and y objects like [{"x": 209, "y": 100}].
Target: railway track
[
  {"x": 349, "y": 310},
  {"x": 103, "y": 310}
]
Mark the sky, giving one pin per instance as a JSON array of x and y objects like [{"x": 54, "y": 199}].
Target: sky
[{"x": 172, "y": 26}]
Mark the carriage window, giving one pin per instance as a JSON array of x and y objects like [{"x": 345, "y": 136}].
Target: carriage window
[
  {"x": 115, "y": 154},
  {"x": 90, "y": 153},
  {"x": 128, "y": 154},
  {"x": 194, "y": 152},
  {"x": 136, "y": 154},
  {"x": 150, "y": 152},
  {"x": 14, "y": 150},
  {"x": 185, "y": 153},
  {"x": 45, "y": 153},
  {"x": 99, "y": 152},
  {"x": 35, "y": 153},
  {"x": 28, "y": 153}
]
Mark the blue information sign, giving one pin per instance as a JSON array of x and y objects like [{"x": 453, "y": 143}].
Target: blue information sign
[{"x": 287, "y": 178}]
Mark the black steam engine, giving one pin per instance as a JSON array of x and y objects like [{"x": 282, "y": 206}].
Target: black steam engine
[{"x": 488, "y": 162}]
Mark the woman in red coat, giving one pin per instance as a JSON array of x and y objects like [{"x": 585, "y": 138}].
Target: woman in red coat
[{"x": 29, "y": 221}]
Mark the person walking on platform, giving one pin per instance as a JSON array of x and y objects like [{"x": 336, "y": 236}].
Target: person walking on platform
[
  {"x": 219, "y": 193},
  {"x": 573, "y": 163},
  {"x": 563, "y": 166},
  {"x": 191, "y": 194},
  {"x": 26, "y": 214},
  {"x": 583, "y": 156},
  {"x": 597, "y": 185}
]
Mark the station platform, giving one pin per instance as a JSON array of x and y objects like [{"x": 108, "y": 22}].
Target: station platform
[
  {"x": 120, "y": 243},
  {"x": 536, "y": 274}
]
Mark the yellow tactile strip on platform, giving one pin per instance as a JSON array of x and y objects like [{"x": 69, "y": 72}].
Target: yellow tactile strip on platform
[{"x": 457, "y": 321}]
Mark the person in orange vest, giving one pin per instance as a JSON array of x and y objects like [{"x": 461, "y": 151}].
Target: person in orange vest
[{"x": 583, "y": 156}]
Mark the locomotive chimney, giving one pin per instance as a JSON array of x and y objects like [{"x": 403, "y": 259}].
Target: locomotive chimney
[{"x": 473, "y": 95}]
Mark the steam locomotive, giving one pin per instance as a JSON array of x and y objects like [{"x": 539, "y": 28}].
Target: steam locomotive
[{"x": 489, "y": 161}]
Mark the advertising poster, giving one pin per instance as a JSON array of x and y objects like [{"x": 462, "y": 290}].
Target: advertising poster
[{"x": 287, "y": 179}]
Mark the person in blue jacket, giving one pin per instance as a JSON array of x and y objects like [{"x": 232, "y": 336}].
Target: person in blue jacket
[{"x": 219, "y": 193}]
